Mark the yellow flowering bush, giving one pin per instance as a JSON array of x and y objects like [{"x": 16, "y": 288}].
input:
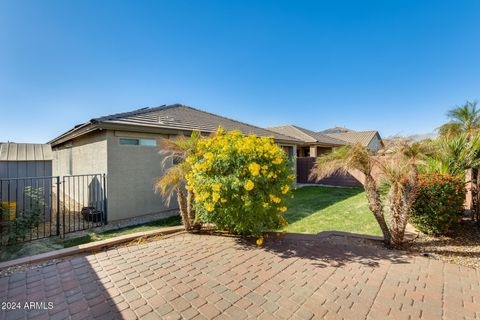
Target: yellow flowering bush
[{"x": 241, "y": 182}]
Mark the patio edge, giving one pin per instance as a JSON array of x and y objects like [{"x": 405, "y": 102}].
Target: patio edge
[{"x": 88, "y": 247}]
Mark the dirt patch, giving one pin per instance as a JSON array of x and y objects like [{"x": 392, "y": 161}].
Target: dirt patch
[{"x": 461, "y": 246}]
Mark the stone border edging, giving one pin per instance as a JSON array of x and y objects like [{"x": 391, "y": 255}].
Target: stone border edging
[
  {"x": 87, "y": 247},
  {"x": 325, "y": 234}
]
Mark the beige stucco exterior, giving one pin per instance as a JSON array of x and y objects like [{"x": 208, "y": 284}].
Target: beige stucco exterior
[{"x": 131, "y": 169}]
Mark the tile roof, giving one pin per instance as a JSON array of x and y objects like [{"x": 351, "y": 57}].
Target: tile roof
[
  {"x": 362, "y": 137},
  {"x": 25, "y": 152},
  {"x": 180, "y": 117},
  {"x": 306, "y": 135}
]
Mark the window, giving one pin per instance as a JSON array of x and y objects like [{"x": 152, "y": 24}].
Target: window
[{"x": 138, "y": 142}]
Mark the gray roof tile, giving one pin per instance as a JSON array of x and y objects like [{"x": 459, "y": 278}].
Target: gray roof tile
[
  {"x": 306, "y": 135},
  {"x": 181, "y": 117}
]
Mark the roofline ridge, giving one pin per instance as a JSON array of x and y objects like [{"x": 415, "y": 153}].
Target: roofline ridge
[
  {"x": 130, "y": 113},
  {"x": 244, "y": 123}
]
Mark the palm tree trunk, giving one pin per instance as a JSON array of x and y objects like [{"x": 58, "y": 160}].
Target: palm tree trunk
[
  {"x": 398, "y": 223},
  {"x": 192, "y": 213},
  {"x": 375, "y": 205},
  {"x": 182, "y": 205},
  {"x": 401, "y": 202}
]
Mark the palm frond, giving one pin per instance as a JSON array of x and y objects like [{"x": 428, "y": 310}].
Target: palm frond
[
  {"x": 169, "y": 182},
  {"x": 341, "y": 160},
  {"x": 449, "y": 129}
]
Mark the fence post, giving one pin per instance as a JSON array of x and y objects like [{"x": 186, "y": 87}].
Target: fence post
[
  {"x": 58, "y": 205},
  {"x": 105, "y": 216},
  {"x": 64, "y": 209}
]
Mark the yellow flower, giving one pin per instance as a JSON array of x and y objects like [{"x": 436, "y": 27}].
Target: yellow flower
[
  {"x": 285, "y": 189},
  {"x": 254, "y": 168},
  {"x": 282, "y": 209},
  {"x": 260, "y": 241},
  {"x": 208, "y": 156},
  {"x": 275, "y": 199},
  {"x": 249, "y": 185},
  {"x": 209, "y": 206},
  {"x": 215, "y": 196},
  {"x": 265, "y": 205},
  {"x": 216, "y": 187},
  {"x": 277, "y": 161},
  {"x": 291, "y": 176}
]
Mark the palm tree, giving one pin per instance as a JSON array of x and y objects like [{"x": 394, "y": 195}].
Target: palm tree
[
  {"x": 455, "y": 155},
  {"x": 464, "y": 118},
  {"x": 173, "y": 179},
  {"x": 356, "y": 157},
  {"x": 398, "y": 166}
]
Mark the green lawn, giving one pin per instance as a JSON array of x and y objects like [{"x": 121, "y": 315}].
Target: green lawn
[{"x": 316, "y": 209}]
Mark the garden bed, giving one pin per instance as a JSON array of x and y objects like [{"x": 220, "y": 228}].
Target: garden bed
[{"x": 461, "y": 246}]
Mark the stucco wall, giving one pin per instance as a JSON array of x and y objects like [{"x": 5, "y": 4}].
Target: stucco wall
[
  {"x": 375, "y": 144},
  {"x": 132, "y": 171},
  {"x": 84, "y": 155}
]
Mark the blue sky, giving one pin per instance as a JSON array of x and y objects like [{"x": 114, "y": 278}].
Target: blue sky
[{"x": 395, "y": 66}]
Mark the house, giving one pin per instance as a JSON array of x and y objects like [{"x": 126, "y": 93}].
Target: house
[
  {"x": 315, "y": 144},
  {"x": 370, "y": 139},
  {"x": 25, "y": 167},
  {"x": 124, "y": 146},
  {"x": 312, "y": 143},
  {"x": 20, "y": 160}
]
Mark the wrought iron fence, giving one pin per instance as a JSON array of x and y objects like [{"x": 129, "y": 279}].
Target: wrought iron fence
[{"x": 40, "y": 207}]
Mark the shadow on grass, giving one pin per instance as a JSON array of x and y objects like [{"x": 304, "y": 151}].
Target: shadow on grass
[
  {"x": 329, "y": 250},
  {"x": 309, "y": 200}
]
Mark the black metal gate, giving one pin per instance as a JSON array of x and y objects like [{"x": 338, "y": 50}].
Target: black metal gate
[{"x": 40, "y": 207}]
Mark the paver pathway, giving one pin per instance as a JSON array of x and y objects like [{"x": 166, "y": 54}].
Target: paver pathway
[{"x": 204, "y": 277}]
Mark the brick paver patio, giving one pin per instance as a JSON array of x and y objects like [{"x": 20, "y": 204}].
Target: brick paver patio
[{"x": 204, "y": 277}]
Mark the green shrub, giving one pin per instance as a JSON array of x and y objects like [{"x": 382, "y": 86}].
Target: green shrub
[
  {"x": 26, "y": 220},
  {"x": 240, "y": 183},
  {"x": 439, "y": 203}
]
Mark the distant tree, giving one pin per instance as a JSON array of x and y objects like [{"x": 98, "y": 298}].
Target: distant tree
[{"x": 463, "y": 119}]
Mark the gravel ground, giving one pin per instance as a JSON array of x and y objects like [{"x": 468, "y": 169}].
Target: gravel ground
[{"x": 461, "y": 246}]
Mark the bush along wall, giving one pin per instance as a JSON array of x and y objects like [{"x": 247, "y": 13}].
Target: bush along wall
[
  {"x": 240, "y": 183},
  {"x": 439, "y": 203}
]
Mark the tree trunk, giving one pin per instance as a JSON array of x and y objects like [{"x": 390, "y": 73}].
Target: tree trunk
[
  {"x": 182, "y": 205},
  {"x": 192, "y": 213},
  {"x": 401, "y": 202},
  {"x": 375, "y": 205},
  {"x": 398, "y": 222}
]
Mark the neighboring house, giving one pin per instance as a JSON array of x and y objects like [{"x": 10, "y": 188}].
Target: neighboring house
[
  {"x": 21, "y": 160},
  {"x": 24, "y": 167},
  {"x": 312, "y": 143},
  {"x": 316, "y": 143},
  {"x": 124, "y": 146},
  {"x": 370, "y": 139}
]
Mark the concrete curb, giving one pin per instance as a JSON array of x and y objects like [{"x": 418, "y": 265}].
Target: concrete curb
[
  {"x": 324, "y": 234},
  {"x": 88, "y": 247}
]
